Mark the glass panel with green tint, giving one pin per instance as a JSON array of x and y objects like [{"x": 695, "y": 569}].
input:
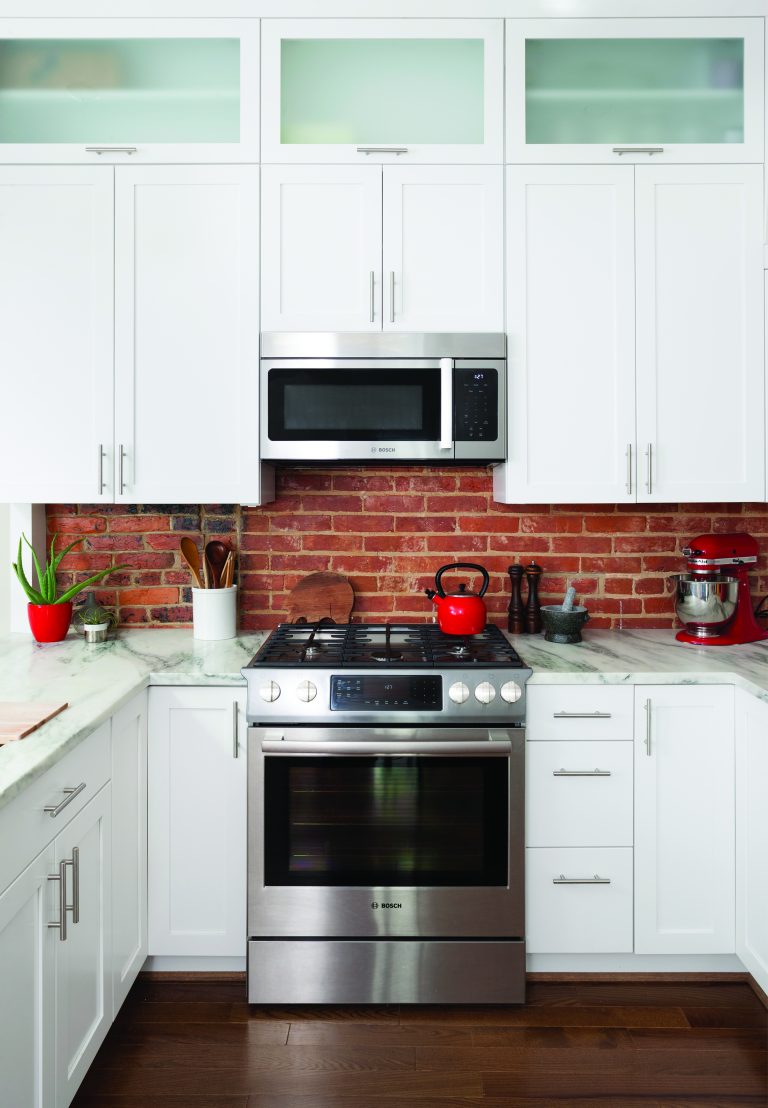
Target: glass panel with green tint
[
  {"x": 384, "y": 91},
  {"x": 634, "y": 91},
  {"x": 119, "y": 90}
]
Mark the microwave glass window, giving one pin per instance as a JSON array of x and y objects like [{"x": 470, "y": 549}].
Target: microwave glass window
[
  {"x": 366, "y": 407},
  {"x": 386, "y": 821}
]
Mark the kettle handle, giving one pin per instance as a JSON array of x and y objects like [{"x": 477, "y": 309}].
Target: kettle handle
[{"x": 462, "y": 565}]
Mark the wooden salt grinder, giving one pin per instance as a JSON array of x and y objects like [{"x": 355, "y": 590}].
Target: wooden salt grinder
[
  {"x": 516, "y": 621},
  {"x": 533, "y": 607}
]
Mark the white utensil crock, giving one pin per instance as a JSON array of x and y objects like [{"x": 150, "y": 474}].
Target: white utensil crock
[{"x": 214, "y": 613}]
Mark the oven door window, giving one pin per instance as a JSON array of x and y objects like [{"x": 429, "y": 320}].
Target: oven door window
[
  {"x": 419, "y": 821},
  {"x": 397, "y": 405}
]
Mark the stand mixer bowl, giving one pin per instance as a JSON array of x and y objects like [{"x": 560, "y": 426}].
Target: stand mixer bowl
[{"x": 706, "y": 604}]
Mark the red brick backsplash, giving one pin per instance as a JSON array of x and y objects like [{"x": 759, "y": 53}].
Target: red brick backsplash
[{"x": 388, "y": 531}]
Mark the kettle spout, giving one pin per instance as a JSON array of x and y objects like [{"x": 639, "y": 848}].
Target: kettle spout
[{"x": 431, "y": 593}]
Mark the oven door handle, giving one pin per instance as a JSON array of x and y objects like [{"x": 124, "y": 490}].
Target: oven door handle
[{"x": 484, "y": 747}]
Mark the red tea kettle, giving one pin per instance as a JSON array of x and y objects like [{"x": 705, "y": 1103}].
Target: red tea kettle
[{"x": 462, "y": 612}]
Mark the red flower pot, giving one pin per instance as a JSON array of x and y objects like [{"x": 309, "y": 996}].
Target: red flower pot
[{"x": 49, "y": 622}]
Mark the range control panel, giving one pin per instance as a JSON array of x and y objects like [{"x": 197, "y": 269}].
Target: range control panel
[
  {"x": 476, "y": 404},
  {"x": 393, "y": 693}
]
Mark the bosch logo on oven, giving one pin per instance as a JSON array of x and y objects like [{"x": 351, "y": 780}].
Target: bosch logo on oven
[{"x": 375, "y": 904}]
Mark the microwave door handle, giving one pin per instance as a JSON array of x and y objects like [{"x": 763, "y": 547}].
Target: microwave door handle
[{"x": 446, "y": 403}]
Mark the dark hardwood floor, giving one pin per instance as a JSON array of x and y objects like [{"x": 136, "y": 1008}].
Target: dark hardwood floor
[{"x": 634, "y": 1045}]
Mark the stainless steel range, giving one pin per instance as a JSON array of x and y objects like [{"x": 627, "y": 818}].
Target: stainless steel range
[{"x": 385, "y": 816}]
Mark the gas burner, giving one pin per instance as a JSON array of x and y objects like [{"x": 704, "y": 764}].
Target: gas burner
[
  {"x": 386, "y": 656},
  {"x": 460, "y": 650}
]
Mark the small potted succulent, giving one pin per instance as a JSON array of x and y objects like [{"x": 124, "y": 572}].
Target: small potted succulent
[
  {"x": 50, "y": 614},
  {"x": 95, "y": 620}
]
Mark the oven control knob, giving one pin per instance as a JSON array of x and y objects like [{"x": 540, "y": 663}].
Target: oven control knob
[
  {"x": 458, "y": 692},
  {"x": 306, "y": 691},
  {"x": 485, "y": 692},
  {"x": 270, "y": 691},
  {"x": 511, "y": 691}
]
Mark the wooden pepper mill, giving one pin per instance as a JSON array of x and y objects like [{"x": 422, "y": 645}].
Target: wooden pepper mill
[
  {"x": 516, "y": 612},
  {"x": 533, "y": 606}
]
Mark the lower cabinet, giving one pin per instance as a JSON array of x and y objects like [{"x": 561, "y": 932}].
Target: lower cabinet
[
  {"x": 197, "y": 822},
  {"x": 752, "y": 835},
  {"x": 684, "y": 819}
]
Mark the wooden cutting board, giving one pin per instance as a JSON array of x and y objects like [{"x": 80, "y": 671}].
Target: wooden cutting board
[
  {"x": 21, "y": 718},
  {"x": 321, "y": 596}
]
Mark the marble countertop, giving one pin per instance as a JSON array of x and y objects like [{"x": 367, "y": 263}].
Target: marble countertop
[{"x": 96, "y": 680}]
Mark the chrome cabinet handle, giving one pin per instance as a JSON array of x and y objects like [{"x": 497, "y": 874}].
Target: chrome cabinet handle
[
  {"x": 638, "y": 150},
  {"x": 649, "y": 467},
  {"x": 581, "y": 715},
  {"x": 70, "y": 794},
  {"x": 563, "y": 880},
  {"x": 101, "y": 468},
  {"x": 121, "y": 470},
  {"x": 581, "y": 773},
  {"x": 629, "y": 467},
  {"x": 111, "y": 149},
  {"x": 75, "y": 863},
  {"x": 371, "y": 296},
  {"x": 391, "y": 296},
  {"x": 235, "y": 736},
  {"x": 61, "y": 877},
  {"x": 446, "y": 404},
  {"x": 382, "y": 150},
  {"x": 647, "y": 739}
]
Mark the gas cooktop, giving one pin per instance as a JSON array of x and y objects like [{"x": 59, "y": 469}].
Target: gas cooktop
[{"x": 383, "y": 645}]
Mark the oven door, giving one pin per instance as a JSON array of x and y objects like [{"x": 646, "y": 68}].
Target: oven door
[
  {"x": 360, "y": 832},
  {"x": 351, "y": 410}
]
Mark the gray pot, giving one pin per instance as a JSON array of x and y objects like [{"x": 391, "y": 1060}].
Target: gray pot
[
  {"x": 95, "y": 632},
  {"x": 560, "y": 626}
]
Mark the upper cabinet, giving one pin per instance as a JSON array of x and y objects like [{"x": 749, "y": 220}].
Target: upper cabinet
[
  {"x": 619, "y": 90},
  {"x": 357, "y": 90},
  {"x": 160, "y": 90}
]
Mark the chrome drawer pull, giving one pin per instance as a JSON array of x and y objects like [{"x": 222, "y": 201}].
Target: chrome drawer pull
[
  {"x": 235, "y": 735},
  {"x": 581, "y": 773},
  {"x": 648, "y": 728},
  {"x": 563, "y": 880},
  {"x": 61, "y": 877},
  {"x": 638, "y": 150},
  {"x": 382, "y": 149},
  {"x": 111, "y": 149},
  {"x": 69, "y": 796},
  {"x": 75, "y": 863},
  {"x": 582, "y": 715}
]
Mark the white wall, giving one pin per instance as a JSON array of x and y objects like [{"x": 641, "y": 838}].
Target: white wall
[{"x": 5, "y": 570}]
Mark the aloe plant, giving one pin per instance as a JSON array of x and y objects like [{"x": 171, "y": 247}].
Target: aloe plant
[{"x": 46, "y": 578}]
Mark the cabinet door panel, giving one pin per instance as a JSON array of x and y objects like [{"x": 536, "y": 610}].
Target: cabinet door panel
[
  {"x": 321, "y": 255},
  {"x": 684, "y": 820},
  {"x": 588, "y": 910},
  {"x": 27, "y": 1005},
  {"x": 56, "y": 284},
  {"x": 700, "y": 368},
  {"x": 571, "y": 350},
  {"x": 197, "y": 822},
  {"x": 187, "y": 334},
  {"x": 443, "y": 248},
  {"x": 129, "y": 845},
  {"x": 752, "y": 835},
  {"x": 83, "y": 978}
]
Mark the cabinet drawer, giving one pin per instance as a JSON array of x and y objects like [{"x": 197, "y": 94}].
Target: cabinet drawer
[
  {"x": 578, "y": 918},
  {"x": 579, "y": 712},
  {"x": 578, "y": 794},
  {"x": 25, "y": 828}
]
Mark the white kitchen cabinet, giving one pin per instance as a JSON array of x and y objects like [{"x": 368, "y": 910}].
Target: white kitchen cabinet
[
  {"x": 28, "y": 994},
  {"x": 604, "y": 90},
  {"x": 684, "y": 819},
  {"x": 699, "y": 232},
  {"x": 366, "y": 248},
  {"x": 634, "y": 314},
  {"x": 129, "y": 845},
  {"x": 186, "y": 334},
  {"x": 83, "y": 969},
  {"x": 752, "y": 835},
  {"x": 356, "y": 90},
  {"x": 56, "y": 288},
  {"x": 197, "y": 822},
  {"x": 138, "y": 90},
  {"x": 571, "y": 345}
]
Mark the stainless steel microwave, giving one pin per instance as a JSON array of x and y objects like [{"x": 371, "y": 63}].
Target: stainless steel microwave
[{"x": 398, "y": 398}]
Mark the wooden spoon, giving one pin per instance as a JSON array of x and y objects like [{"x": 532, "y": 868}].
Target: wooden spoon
[
  {"x": 191, "y": 556},
  {"x": 216, "y": 554},
  {"x": 228, "y": 573}
]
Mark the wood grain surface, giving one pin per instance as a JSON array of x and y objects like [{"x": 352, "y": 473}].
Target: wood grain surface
[{"x": 321, "y": 596}]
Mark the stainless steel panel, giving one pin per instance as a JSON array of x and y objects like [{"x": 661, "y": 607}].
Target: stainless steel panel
[
  {"x": 492, "y": 449},
  {"x": 404, "y": 972},
  {"x": 388, "y": 344}
]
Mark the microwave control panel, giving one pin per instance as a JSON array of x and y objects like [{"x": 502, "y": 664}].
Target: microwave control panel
[{"x": 476, "y": 404}]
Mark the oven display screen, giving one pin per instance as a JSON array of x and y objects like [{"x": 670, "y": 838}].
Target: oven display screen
[{"x": 367, "y": 693}]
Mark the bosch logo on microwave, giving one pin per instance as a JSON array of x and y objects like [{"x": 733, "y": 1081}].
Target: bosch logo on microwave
[{"x": 375, "y": 904}]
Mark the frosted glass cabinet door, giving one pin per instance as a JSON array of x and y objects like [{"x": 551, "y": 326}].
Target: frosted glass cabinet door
[
  {"x": 129, "y": 90},
  {"x": 678, "y": 90},
  {"x": 351, "y": 90}
]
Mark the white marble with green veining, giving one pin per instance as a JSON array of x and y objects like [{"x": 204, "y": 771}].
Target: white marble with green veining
[{"x": 95, "y": 680}]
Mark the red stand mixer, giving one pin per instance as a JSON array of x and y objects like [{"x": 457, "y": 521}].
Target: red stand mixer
[{"x": 713, "y": 598}]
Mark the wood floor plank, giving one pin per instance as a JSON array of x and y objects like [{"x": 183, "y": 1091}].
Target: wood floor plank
[
  {"x": 675, "y": 994},
  {"x": 318, "y": 1032},
  {"x": 726, "y": 1017},
  {"x": 218, "y": 1059},
  {"x": 262, "y": 1032},
  {"x": 312, "y": 1101},
  {"x": 556, "y": 1016},
  {"x": 699, "y": 1038},
  {"x": 555, "y": 1038}
]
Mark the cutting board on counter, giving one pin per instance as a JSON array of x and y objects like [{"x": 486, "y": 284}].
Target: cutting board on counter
[
  {"x": 321, "y": 596},
  {"x": 21, "y": 718}
]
